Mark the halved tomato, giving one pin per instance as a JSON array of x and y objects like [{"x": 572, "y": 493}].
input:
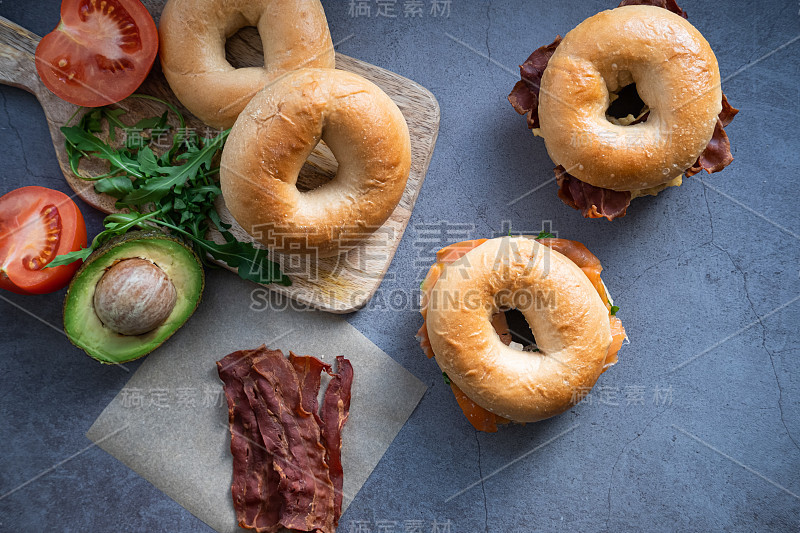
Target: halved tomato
[
  {"x": 100, "y": 52},
  {"x": 36, "y": 225}
]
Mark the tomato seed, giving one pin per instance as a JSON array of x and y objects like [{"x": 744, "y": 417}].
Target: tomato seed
[{"x": 52, "y": 222}]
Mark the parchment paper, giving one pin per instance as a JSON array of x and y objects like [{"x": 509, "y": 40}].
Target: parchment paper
[{"x": 169, "y": 423}]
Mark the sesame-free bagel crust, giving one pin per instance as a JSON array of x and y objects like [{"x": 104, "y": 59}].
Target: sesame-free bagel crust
[
  {"x": 192, "y": 34},
  {"x": 676, "y": 75},
  {"x": 274, "y": 136},
  {"x": 566, "y": 314}
]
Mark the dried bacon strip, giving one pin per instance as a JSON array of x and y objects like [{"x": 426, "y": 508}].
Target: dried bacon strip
[
  {"x": 525, "y": 94},
  {"x": 309, "y": 372},
  {"x": 292, "y": 436},
  {"x": 727, "y": 113},
  {"x": 717, "y": 155},
  {"x": 255, "y": 482},
  {"x": 335, "y": 410},
  {"x": 593, "y": 202},
  {"x": 281, "y": 446}
]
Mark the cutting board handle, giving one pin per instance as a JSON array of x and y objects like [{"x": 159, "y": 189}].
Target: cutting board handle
[{"x": 17, "y": 49}]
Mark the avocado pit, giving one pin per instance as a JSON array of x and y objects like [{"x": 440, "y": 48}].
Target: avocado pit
[{"x": 134, "y": 296}]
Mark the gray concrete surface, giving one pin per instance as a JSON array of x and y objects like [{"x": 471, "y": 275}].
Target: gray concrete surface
[{"x": 706, "y": 273}]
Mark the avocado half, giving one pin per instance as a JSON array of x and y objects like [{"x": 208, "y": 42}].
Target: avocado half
[{"x": 82, "y": 325}]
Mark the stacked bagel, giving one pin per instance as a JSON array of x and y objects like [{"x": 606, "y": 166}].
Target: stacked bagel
[{"x": 278, "y": 114}]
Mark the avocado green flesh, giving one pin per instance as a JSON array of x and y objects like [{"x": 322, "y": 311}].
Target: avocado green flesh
[{"x": 85, "y": 329}]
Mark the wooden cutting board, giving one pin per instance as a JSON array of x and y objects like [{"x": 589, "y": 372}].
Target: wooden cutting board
[{"x": 339, "y": 285}]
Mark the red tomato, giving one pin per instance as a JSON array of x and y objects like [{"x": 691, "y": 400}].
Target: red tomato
[
  {"x": 100, "y": 52},
  {"x": 37, "y": 224}
]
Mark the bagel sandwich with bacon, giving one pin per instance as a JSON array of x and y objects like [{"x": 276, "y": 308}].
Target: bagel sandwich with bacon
[{"x": 627, "y": 103}]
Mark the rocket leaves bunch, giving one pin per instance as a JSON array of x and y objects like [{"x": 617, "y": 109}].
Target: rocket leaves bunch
[{"x": 174, "y": 190}]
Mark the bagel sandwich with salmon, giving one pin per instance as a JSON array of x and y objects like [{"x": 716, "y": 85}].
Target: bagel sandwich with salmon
[{"x": 556, "y": 286}]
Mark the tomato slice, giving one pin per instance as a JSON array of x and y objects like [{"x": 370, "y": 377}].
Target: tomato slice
[
  {"x": 36, "y": 225},
  {"x": 100, "y": 53}
]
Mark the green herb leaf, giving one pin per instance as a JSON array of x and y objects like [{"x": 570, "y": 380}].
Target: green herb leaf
[
  {"x": 148, "y": 163},
  {"x": 545, "y": 235},
  {"x": 152, "y": 123},
  {"x": 92, "y": 120},
  {"x": 156, "y": 188},
  {"x": 74, "y": 157},
  {"x": 116, "y": 224},
  {"x": 87, "y": 142},
  {"x": 117, "y": 186},
  {"x": 174, "y": 190},
  {"x": 251, "y": 262},
  {"x": 613, "y": 310},
  {"x": 112, "y": 116},
  {"x": 71, "y": 257},
  {"x": 446, "y": 378}
]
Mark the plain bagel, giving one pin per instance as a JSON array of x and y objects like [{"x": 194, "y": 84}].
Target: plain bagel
[
  {"x": 274, "y": 136},
  {"x": 564, "y": 310},
  {"x": 294, "y": 34},
  {"x": 676, "y": 75}
]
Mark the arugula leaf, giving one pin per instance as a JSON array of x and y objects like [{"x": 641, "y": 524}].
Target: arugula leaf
[
  {"x": 148, "y": 163},
  {"x": 117, "y": 186},
  {"x": 613, "y": 310},
  {"x": 88, "y": 142},
  {"x": 156, "y": 188},
  {"x": 152, "y": 123},
  {"x": 545, "y": 235},
  {"x": 74, "y": 157},
  {"x": 174, "y": 191},
  {"x": 446, "y": 378},
  {"x": 116, "y": 224},
  {"x": 112, "y": 116},
  {"x": 251, "y": 262},
  {"x": 65, "y": 259},
  {"x": 92, "y": 120}
]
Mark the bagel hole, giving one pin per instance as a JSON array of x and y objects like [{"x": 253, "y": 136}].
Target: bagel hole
[
  {"x": 320, "y": 168},
  {"x": 627, "y": 102},
  {"x": 520, "y": 330},
  {"x": 244, "y": 49}
]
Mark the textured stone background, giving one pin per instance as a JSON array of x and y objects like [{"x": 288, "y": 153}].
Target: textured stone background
[{"x": 709, "y": 270}]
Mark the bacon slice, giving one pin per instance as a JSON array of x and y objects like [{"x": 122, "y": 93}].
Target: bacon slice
[
  {"x": 591, "y": 201},
  {"x": 309, "y": 373},
  {"x": 717, "y": 155},
  {"x": 727, "y": 113},
  {"x": 292, "y": 436},
  {"x": 281, "y": 446},
  {"x": 255, "y": 497},
  {"x": 524, "y": 96},
  {"x": 335, "y": 410}
]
